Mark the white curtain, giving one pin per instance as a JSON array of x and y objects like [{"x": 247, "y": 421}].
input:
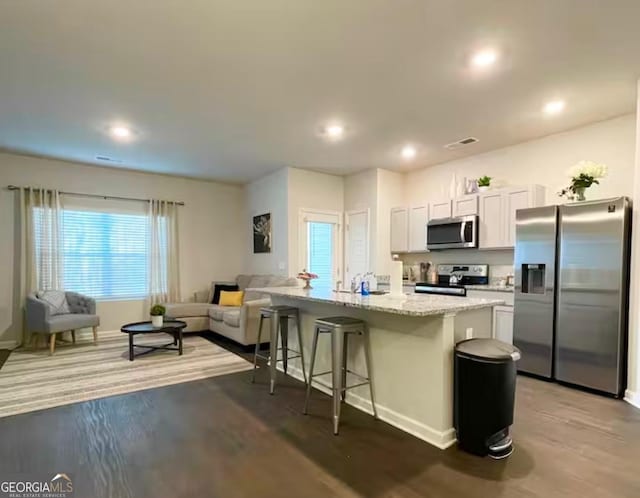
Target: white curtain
[
  {"x": 164, "y": 268},
  {"x": 40, "y": 242}
]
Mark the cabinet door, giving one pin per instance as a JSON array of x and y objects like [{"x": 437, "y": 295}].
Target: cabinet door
[
  {"x": 418, "y": 228},
  {"x": 465, "y": 206},
  {"x": 399, "y": 230},
  {"x": 503, "y": 323},
  {"x": 517, "y": 198},
  {"x": 439, "y": 210},
  {"x": 491, "y": 221}
]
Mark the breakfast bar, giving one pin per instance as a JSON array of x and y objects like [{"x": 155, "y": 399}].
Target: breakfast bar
[{"x": 412, "y": 338}]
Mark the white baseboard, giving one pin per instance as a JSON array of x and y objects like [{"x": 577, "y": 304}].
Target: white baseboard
[
  {"x": 8, "y": 344},
  {"x": 439, "y": 439},
  {"x": 632, "y": 397}
]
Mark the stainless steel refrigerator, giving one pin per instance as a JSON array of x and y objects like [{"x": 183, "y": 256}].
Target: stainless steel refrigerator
[{"x": 571, "y": 292}]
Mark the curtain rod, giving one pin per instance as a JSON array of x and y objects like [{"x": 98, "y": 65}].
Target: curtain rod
[{"x": 106, "y": 197}]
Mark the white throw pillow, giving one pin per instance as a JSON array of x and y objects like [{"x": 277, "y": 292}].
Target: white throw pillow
[{"x": 56, "y": 300}]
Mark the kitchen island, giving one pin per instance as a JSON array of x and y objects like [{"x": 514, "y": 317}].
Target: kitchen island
[{"x": 412, "y": 339}]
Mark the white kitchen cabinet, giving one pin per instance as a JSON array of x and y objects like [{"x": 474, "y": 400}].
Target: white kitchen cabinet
[
  {"x": 438, "y": 210},
  {"x": 399, "y": 229},
  {"x": 497, "y": 214},
  {"x": 491, "y": 219},
  {"x": 503, "y": 323},
  {"x": 418, "y": 217},
  {"x": 465, "y": 206}
]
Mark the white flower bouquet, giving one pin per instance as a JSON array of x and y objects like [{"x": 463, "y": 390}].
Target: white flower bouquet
[{"x": 583, "y": 175}]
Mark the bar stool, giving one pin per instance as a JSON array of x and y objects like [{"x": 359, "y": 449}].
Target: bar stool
[
  {"x": 340, "y": 327},
  {"x": 279, "y": 316}
]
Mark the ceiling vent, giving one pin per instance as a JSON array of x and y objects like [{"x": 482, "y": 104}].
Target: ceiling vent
[
  {"x": 461, "y": 143},
  {"x": 107, "y": 159}
]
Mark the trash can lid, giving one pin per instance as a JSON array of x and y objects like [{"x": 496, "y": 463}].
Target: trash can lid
[{"x": 488, "y": 349}]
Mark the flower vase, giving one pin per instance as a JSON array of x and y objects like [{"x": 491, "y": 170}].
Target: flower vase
[
  {"x": 307, "y": 284},
  {"x": 580, "y": 194},
  {"x": 157, "y": 320}
]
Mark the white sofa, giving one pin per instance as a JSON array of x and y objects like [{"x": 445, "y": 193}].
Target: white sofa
[{"x": 237, "y": 323}]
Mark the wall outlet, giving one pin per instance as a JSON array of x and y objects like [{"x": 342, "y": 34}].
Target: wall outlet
[
  {"x": 469, "y": 333},
  {"x": 281, "y": 265}
]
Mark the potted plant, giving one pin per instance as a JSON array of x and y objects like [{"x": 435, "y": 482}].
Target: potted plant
[
  {"x": 305, "y": 276},
  {"x": 157, "y": 315},
  {"x": 583, "y": 175},
  {"x": 484, "y": 182}
]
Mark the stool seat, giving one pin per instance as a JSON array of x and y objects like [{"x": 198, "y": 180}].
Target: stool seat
[
  {"x": 339, "y": 321},
  {"x": 281, "y": 309},
  {"x": 340, "y": 328}
]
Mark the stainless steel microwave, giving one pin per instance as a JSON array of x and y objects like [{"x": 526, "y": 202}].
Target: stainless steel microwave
[{"x": 453, "y": 233}]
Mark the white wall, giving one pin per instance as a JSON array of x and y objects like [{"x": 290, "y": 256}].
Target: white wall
[
  {"x": 633, "y": 383},
  {"x": 210, "y": 226},
  {"x": 544, "y": 162},
  {"x": 268, "y": 195},
  {"x": 311, "y": 190}
]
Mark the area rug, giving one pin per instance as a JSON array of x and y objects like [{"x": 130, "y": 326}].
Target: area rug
[{"x": 33, "y": 380}]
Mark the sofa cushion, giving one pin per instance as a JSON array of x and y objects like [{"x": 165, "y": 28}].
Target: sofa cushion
[
  {"x": 218, "y": 288},
  {"x": 231, "y": 317},
  {"x": 243, "y": 281},
  {"x": 56, "y": 300},
  {"x": 216, "y": 311},
  {"x": 183, "y": 310},
  {"x": 72, "y": 321}
]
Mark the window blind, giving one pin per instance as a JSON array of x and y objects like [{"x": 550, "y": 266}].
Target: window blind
[
  {"x": 320, "y": 253},
  {"x": 105, "y": 253}
]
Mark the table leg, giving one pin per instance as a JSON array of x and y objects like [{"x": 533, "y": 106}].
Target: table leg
[
  {"x": 180, "y": 342},
  {"x": 130, "y": 347}
]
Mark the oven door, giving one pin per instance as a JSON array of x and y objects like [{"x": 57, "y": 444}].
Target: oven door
[{"x": 450, "y": 233}]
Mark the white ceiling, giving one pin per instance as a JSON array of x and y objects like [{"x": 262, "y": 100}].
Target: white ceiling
[{"x": 231, "y": 90}]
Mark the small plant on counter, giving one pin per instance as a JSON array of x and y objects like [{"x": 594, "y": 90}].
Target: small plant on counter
[{"x": 484, "y": 181}]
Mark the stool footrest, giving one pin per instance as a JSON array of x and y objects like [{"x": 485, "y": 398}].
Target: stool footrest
[{"x": 279, "y": 359}]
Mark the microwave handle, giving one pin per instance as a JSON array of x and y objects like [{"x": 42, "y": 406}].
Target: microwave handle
[{"x": 462, "y": 226}]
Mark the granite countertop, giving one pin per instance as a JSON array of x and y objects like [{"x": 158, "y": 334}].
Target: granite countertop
[
  {"x": 406, "y": 304},
  {"x": 490, "y": 288}
]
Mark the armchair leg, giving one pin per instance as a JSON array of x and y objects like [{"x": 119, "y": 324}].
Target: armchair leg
[
  {"x": 52, "y": 343},
  {"x": 73, "y": 336},
  {"x": 95, "y": 335}
]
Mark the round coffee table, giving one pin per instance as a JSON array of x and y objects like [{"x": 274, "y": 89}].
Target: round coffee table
[{"x": 172, "y": 327}]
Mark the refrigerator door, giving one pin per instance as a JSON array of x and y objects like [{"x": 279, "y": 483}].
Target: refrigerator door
[
  {"x": 534, "y": 299},
  {"x": 592, "y": 294}
]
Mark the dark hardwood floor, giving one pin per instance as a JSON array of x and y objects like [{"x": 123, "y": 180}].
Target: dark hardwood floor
[
  {"x": 4, "y": 354},
  {"x": 224, "y": 437}
]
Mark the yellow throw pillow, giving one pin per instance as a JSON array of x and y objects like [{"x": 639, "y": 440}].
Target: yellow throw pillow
[{"x": 229, "y": 298}]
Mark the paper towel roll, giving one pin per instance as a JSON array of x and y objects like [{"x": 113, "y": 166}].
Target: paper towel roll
[{"x": 395, "y": 278}]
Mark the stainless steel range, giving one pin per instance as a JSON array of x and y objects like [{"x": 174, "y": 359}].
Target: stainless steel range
[{"x": 452, "y": 279}]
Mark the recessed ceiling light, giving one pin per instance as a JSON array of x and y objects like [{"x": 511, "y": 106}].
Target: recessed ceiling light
[
  {"x": 120, "y": 132},
  {"x": 334, "y": 131},
  {"x": 554, "y": 107},
  {"x": 484, "y": 58},
  {"x": 408, "y": 152}
]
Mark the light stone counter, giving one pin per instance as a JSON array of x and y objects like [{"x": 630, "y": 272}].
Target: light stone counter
[
  {"x": 412, "y": 341},
  {"x": 406, "y": 304}
]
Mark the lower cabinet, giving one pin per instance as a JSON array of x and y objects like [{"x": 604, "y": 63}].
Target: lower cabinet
[{"x": 503, "y": 323}]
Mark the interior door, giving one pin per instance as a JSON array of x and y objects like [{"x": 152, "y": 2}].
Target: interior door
[{"x": 356, "y": 244}]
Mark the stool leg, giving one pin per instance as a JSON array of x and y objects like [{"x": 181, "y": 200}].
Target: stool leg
[
  {"x": 284, "y": 338},
  {"x": 337, "y": 346},
  {"x": 345, "y": 343},
  {"x": 314, "y": 347},
  {"x": 273, "y": 354},
  {"x": 255, "y": 353},
  {"x": 300, "y": 347},
  {"x": 367, "y": 352}
]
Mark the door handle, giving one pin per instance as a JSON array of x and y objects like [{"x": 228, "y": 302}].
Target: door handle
[{"x": 462, "y": 226}]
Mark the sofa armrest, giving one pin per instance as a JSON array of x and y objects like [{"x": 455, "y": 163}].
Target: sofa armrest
[
  {"x": 81, "y": 304},
  {"x": 201, "y": 296},
  {"x": 38, "y": 314}
]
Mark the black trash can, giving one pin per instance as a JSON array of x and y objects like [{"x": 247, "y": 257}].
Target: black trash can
[{"x": 484, "y": 396}]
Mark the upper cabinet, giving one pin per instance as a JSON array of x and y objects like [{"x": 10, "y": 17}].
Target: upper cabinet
[
  {"x": 418, "y": 218},
  {"x": 399, "y": 229},
  {"x": 497, "y": 214},
  {"x": 438, "y": 210},
  {"x": 465, "y": 206}
]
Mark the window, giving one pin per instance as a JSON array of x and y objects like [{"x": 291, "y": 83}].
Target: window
[
  {"x": 104, "y": 253},
  {"x": 320, "y": 253}
]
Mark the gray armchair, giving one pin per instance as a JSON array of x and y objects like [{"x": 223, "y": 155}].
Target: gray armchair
[{"x": 82, "y": 315}]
